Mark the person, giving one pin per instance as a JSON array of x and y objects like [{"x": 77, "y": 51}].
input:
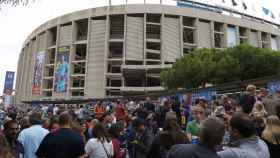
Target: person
[
  {"x": 54, "y": 124},
  {"x": 24, "y": 123},
  {"x": 141, "y": 141},
  {"x": 258, "y": 110},
  {"x": 11, "y": 130},
  {"x": 63, "y": 143},
  {"x": 32, "y": 136},
  {"x": 272, "y": 103},
  {"x": 79, "y": 128},
  {"x": 211, "y": 135},
  {"x": 119, "y": 111},
  {"x": 262, "y": 94},
  {"x": 46, "y": 123},
  {"x": 171, "y": 135},
  {"x": 271, "y": 135},
  {"x": 259, "y": 123},
  {"x": 148, "y": 105},
  {"x": 193, "y": 126},
  {"x": 4, "y": 148},
  {"x": 114, "y": 133},
  {"x": 100, "y": 146},
  {"x": 88, "y": 132},
  {"x": 99, "y": 110},
  {"x": 245, "y": 144},
  {"x": 227, "y": 103},
  {"x": 248, "y": 100}
]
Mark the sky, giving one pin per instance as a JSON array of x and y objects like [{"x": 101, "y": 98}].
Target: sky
[{"x": 16, "y": 23}]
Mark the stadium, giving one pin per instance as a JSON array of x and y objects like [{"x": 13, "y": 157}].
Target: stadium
[{"x": 120, "y": 50}]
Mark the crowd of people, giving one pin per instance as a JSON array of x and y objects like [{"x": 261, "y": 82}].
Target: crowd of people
[{"x": 247, "y": 127}]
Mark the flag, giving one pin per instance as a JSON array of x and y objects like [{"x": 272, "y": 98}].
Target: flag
[
  {"x": 244, "y": 5},
  {"x": 272, "y": 15},
  {"x": 9, "y": 83},
  {"x": 265, "y": 10},
  {"x": 234, "y": 3}
]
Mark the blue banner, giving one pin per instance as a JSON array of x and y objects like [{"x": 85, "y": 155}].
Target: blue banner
[
  {"x": 9, "y": 83},
  {"x": 273, "y": 86}
]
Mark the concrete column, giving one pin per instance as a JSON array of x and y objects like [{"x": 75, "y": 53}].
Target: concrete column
[
  {"x": 278, "y": 42},
  {"x": 237, "y": 35},
  {"x": 44, "y": 64},
  {"x": 225, "y": 39},
  {"x": 107, "y": 37},
  {"x": 269, "y": 40},
  {"x": 181, "y": 36},
  {"x": 196, "y": 38},
  {"x": 161, "y": 39},
  {"x": 124, "y": 40},
  {"x": 70, "y": 66},
  {"x": 144, "y": 34},
  {"x": 56, "y": 50},
  {"x": 87, "y": 53},
  {"x": 259, "y": 39},
  {"x": 212, "y": 34}
]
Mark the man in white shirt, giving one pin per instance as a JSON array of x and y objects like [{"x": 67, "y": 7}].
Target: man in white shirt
[{"x": 32, "y": 137}]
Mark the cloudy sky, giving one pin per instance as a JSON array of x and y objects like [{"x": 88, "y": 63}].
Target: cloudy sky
[{"x": 17, "y": 22}]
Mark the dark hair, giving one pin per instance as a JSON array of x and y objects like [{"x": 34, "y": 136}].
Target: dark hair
[
  {"x": 212, "y": 131},
  {"x": 35, "y": 118},
  {"x": 64, "y": 119},
  {"x": 259, "y": 125},
  {"x": 247, "y": 103},
  {"x": 172, "y": 135},
  {"x": 115, "y": 130},
  {"x": 100, "y": 133},
  {"x": 7, "y": 124},
  {"x": 53, "y": 121},
  {"x": 171, "y": 125},
  {"x": 243, "y": 124},
  {"x": 138, "y": 122}
]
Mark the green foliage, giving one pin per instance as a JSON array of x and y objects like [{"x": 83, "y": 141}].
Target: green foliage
[{"x": 219, "y": 66}]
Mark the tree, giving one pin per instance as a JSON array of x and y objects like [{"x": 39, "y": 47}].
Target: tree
[
  {"x": 219, "y": 66},
  {"x": 255, "y": 62}
]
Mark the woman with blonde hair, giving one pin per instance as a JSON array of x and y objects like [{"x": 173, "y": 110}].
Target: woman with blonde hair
[
  {"x": 258, "y": 110},
  {"x": 271, "y": 135},
  {"x": 4, "y": 148}
]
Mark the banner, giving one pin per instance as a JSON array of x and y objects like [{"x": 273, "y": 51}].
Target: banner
[
  {"x": 7, "y": 101},
  {"x": 273, "y": 86},
  {"x": 61, "y": 70},
  {"x": 231, "y": 36},
  {"x": 38, "y": 74},
  {"x": 9, "y": 82}
]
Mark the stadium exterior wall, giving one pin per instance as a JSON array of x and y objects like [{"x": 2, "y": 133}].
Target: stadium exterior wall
[{"x": 111, "y": 51}]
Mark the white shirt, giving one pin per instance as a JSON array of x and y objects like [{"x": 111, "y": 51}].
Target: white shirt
[
  {"x": 55, "y": 110},
  {"x": 31, "y": 138},
  {"x": 95, "y": 149}
]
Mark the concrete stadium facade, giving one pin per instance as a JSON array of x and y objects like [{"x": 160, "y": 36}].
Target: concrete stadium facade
[{"x": 111, "y": 51}]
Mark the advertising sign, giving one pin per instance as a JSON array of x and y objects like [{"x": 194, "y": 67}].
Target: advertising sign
[
  {"x": 38, "y": 74},
  {"x": 61, "y": 70},
  {"x": 9, "y": 82}
]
